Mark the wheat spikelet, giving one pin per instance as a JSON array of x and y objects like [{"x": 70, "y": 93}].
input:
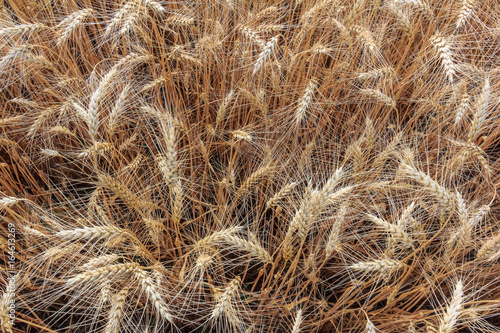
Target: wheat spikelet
[
  {"x": 153, "y": 295},
  {"x": 102, "y": 273},
  {"x": 177, "y": 205},
  {"x": 449, "y": 320},
  {"x": 40, "y": 120},
  {"x": 167, "y": 162},
  {"x": 180, "y": 20},
  {"x": 97, "y": 149},
  {"x": 123, "y": 192},
  {"x": 463, "y": 107},
  {"x": 50, "y": 152},
  {"x": 381, "y": 73},
  {"x": 155, "y": 228},
  {"x": 155, "y": 83},
  {"x": 217, "y": 237},
  {"x": 479, "y": 214},
  {"x": 366, "y": 38},
  {"x": 239, "y": 135},
  {"x": 334, "y": 243},
  {"x": 268, "y": 28},
  {"x": 406, "y": 215}
]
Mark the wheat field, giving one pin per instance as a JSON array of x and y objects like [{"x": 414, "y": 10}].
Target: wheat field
[{"x": 250, "y": 166}]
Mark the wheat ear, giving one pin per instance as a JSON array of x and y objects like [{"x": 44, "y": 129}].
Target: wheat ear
[
  {"x": 379, "y": 96},
  {"x": 278, "y": 196},
  {"x": 466, "y": 11},
  {"x": 167, "y": 161},
  {"x": 103, "y": 273},
  {"x": 99, "y": 261},
  {"x": 252, "y": 180},
  {"x": 154, "y": 296},
  {"x": 265, "y": 54},
  {"x": 481, "y": 113},
  {"x": 105, "y": 84},
  {"x": 90, "y": 233},
  {"x": 450, "y": 318},
  {"x": 297, "y": 322},
  {"x": 433, "y": 186},
  {"x": 221, "y": 113},
  {"x": 334, "y": 244},
  {"x": 395, "y": 230},
  {"x": 380, "y": 265},
  {"x": 22, "y": 29},
  {"x": 305, "y": 100},
  {"x": 69, "y": 24},
  {"x": 118, "y": 108},
  {"x": 116, "y": 311},
  {"x": 254, "y": 249},
  {"x": 224, "y": 300},
  {"x": 490, "y": 250},
  {"x": 217, "y": 237},
  {"x": 443, "y": 50}
]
